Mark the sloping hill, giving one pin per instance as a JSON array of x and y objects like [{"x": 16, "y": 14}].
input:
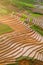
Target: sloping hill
[{"x": 11, "y": 5}]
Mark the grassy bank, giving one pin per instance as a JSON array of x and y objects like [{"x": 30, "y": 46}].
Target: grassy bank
[
  {"x": 25, "y": 60},
  {"x": 4, "y": 29},
  {"x": 37, "y": 28}
]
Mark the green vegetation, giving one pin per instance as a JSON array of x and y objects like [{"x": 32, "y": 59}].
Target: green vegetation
[
  {"x": 26, "y": 1},
  {"x": 3, "y": 11},
  {"x": 25, "y": 4},
  {"x": 4, "y": 28},
  {"x": 37, "y": 28},
  {"x": 29, "y": 60},
  {"x": 13, "y": 64},
  {"x": 21, "y": 4},
  {"x": 24, "y": 57},
  {"x": 23, "y": 17},
  {"x": 35, "y": 14},
  {"x": 24, "y": 60}
]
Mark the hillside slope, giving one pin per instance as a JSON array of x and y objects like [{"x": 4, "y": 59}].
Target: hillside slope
[{"x": 11, "y": 5}]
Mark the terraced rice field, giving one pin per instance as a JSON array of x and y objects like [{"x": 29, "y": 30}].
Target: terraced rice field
[
  {"x": 23, "y": 41},
  {"x": 38, "y": 21}
]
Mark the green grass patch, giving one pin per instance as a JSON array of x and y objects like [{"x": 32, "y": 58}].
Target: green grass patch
[
  {"x": 24, "y": 57},
  {"x": 23, "y": 17},
  {"x": 26, "y": 4},
  {"x": 37, "y": 28},
  {"x": 4, "y": 28},
  {"x": 22, "y": 4},
  {"x": 35, "y": 15}
]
